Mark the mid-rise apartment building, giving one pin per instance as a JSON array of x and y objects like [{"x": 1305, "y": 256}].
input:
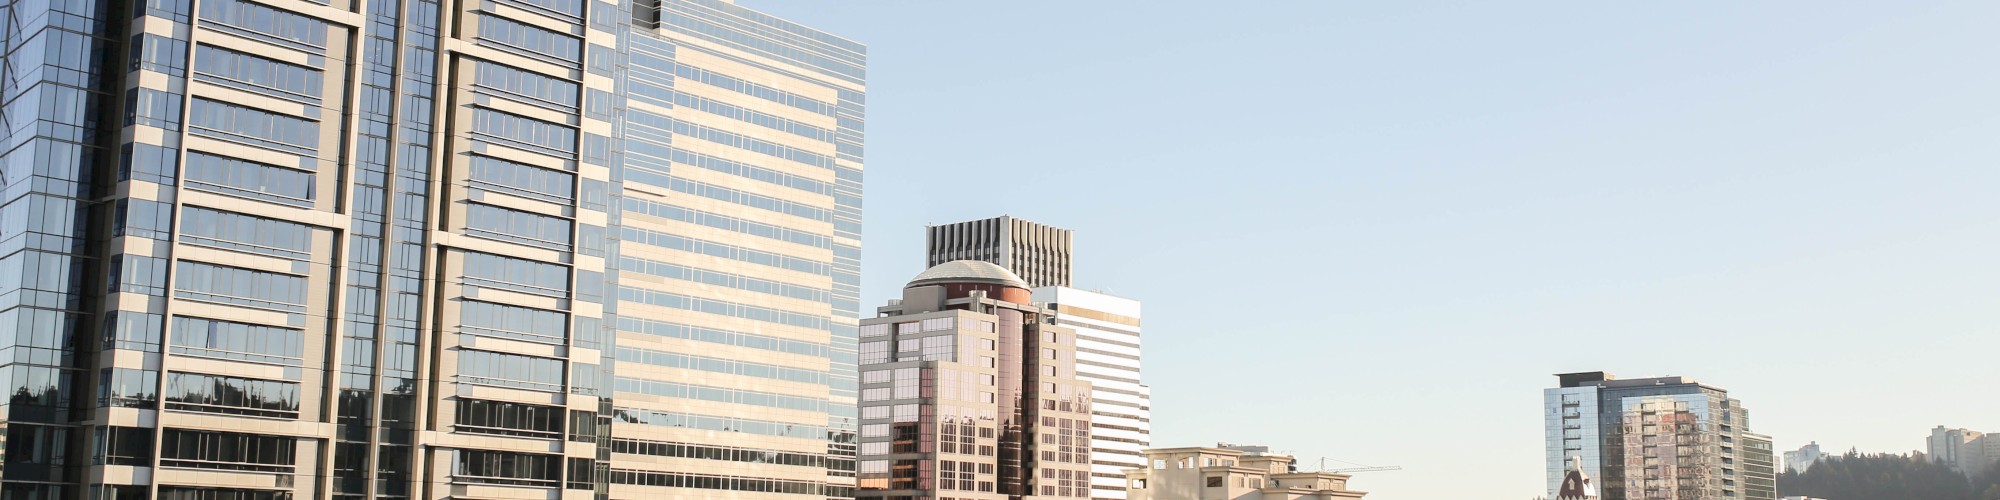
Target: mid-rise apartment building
[
  {"x": 1967, "y": 451},
  {"x": 1663, "y": 437},
  {"x": 970, "y": 391},
  {"x": 275, "y": 249},
  {"x": 1805, "y": 457},
  {"x": 1231, "y": 472}
]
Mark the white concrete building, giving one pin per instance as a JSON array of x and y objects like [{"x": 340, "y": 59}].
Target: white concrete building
[{"x": 1107, "y": 356}]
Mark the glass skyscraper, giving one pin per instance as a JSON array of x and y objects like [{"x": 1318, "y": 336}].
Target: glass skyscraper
[
  {"x": 276, "y": 249},
  {"x": 1655, "y": 438}
]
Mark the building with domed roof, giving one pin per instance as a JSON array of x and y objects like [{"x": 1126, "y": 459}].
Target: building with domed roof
[{"x": 969, "y": 391}]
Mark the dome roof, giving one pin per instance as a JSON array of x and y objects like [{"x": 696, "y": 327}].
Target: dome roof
[{"x": 967, "y": 271}]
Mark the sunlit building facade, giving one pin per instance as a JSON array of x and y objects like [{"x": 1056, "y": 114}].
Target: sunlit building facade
[
  {"x": 277, "y": 249},
  {"x": 970, "y": 391},
  {"x": 1107, "y": 356},
  {"x": 1654, "y": 438}
]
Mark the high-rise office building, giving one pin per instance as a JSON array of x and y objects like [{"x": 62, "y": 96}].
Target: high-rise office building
[
  {"x": 1039, "y": 253},
  {"x": 970, "y": 391},
  {"x": 1107, "y": 356},
  {"x": 275, "y": 249},
  {"x": 1106, "y": 326},
  {"x": 1665, "y": 437}
]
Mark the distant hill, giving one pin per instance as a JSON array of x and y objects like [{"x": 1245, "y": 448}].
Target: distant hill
[{"x": 1886, "y": 477}]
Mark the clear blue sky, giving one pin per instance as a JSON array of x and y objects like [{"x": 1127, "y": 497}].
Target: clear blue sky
[{"x": 1372, "y": 230}]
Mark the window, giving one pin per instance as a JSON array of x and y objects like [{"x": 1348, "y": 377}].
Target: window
[
  {"x": 520, "y": 275},
  {"x": 480, "y": 416},
  {"x": 138, "y": 274},
  {"x": 127, "y": 388},
  {"x": 227, "y": 451},
  {"x": 123, "y": 446},
  {"x": 146, "y": 162},
  {"x": 153, "y": 108},
  {"x": 244, "y": 287},
  {"x": 257, "y": 73},
  {"x": 516, "y": 226},
  {"x": 1214, "y": 481},
  {"x": 132, "y": 330},
  {"x": 876, "y": 330},
  {"x": 522, "y": 83},
  {"x": 232, "y": 395},
  {"x": 273, "y": 24},
  {"x": 521, "y": 179},
  {"x": 526, "y": 131},
  {"x": 247, "y": 233},
  {"x": 531, "y": 39},
  {"x": 874, "y": 352},
  {"x": 510, "y": 370},
  {"x": 239, "y": 341},
  {"x": 255, "y": 126},
  {"x": 514, "y": 322},
  {"x": 499, "y": 467},
  {"x": 144, "y": 219},
  {"x": 249, "y": 179}
]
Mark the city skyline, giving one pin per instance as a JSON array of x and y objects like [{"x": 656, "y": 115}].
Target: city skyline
[{"x": 1498, "y": 192}]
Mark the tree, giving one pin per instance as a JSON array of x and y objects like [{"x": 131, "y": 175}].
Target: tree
[
  {"x": 1988, "y": 484},
  {"x": 1879, "y": 477}
]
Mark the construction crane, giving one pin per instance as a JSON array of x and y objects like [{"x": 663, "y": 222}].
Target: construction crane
[{"x": 1352, "y": 467}]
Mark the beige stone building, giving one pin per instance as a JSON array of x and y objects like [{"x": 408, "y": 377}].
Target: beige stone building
[{"x": 1228, "y": 472}]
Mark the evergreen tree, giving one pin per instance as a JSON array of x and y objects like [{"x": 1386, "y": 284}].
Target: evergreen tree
[{"x": 1882, "y": 477}]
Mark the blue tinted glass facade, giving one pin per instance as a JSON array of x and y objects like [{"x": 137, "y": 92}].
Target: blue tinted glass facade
[{"x": 362, "y": 249}]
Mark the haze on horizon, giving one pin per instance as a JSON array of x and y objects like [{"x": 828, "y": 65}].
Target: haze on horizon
[{"x": 1417, "y": 212}]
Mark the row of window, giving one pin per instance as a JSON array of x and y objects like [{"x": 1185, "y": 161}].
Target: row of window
[
  {"x": 723, "y": 337},
  {"x": 723, "y": 250},
  {"x": 741, "y": 86},
  {"x": 742, "y": 39},
  {"x": 209, "y": 493},
  {"x": 254, "y": 125},
  {"x": 719, "y": 394},
  {"x": 722, "y": 453},
  {"x": 523, "y": 130},
  {"x": 258, "y": 71},
  {"x": 723, "y": 308},
  {"x": 240, "y": 341},
  {"x": 232, "y": 395},
  {"x": 227, "y": 451},
  {"x": 509, "y": 419},
  {"x": 527, "y": 228},
  {"x": 524, "y": 180},
  {"x": 529, "y": 84},
  {"x": 754, "y": 117},
  {"x": 258, "y": 18},
  {"x": 250, "y": 179},
  {"x": 721, "y": 279},
  {"x": 499, "y": 467},
  {"x": 514, "y": 322},
  {"x": 727, "y": 223},
  {"x": 245, "y": 287},
  {"x": 731, "y": 483},
  {"x": 682, "y": 128},
  {"x": 684, "y": 157},
  {"x": 724, "y": 424},
  {"x": 520, "y": 275},
  {"x": 748, "y": 199},
  {"x": 246, "y": 232},
  {"x": 720, "y": 365},
  {"x": 510, "y": 370},
  {"x": 529, "y": 38}
]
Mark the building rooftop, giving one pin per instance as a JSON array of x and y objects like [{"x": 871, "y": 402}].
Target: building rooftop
[{"x": 967, "y": 271}]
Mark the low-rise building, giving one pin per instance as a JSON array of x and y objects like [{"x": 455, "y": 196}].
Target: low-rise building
[{"x": 1227, "y": 472}]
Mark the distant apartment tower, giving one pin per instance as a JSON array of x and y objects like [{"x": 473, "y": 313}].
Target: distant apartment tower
[
  {"x": 1666, "y": 437},
  {"x": 1107, "y": 347},
  {"x": 970, "y": 391},
  {"x": 1967, "y": 451},
  {"x": 1804, "y": 458},
  {"x": 1039, "y": 254}
]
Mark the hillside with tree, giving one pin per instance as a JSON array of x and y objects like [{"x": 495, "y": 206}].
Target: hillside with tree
[{"x": 1887, "y": 477}]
